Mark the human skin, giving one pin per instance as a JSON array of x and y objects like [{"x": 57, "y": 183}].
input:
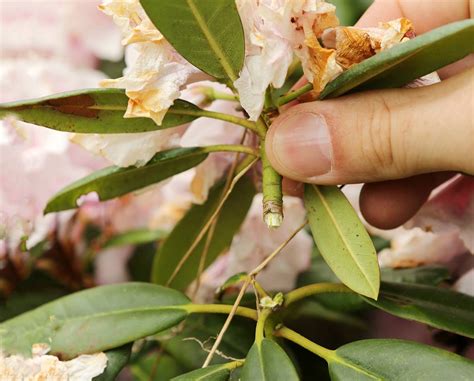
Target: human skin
[{"x": 402, "y": 143}]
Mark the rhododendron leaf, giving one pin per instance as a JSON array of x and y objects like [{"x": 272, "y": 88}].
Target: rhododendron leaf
[
  {"x": 116, "y": 360},
  {"x": 407, "y": 61},
  {"x": 89, "y": 111},
  {"x": 185, "y": 232},
  {"x": 95, "y": 320},
  {"x": 208, "y": 34},
  {"x": 114, "y": 181},
  {"x": 135, "y": 237},
  {"x": 267, "y": 361},
  {"x": 342, "y": 239},
  {"x": 219, "y": 372},
  {"x": 437, "y": 307},
  {"x": 397, "y": 360}
]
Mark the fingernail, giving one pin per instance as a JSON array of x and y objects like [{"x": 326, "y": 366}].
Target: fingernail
[{"x": 302, "y": 144}]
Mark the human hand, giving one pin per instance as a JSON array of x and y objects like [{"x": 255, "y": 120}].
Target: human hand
[{"x": 403, "y": 142}]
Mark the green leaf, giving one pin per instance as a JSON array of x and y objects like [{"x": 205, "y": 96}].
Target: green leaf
[
  {"x": 135, "y": 237},
  {"x": 437, "y": 307},
  {"x": 342, "y": 239},
  {"x": 94, "y": 111},
  {"x": 95, "y": 320},
  {"x": 208, "y": 33},
  {"x": 267, "y": 361},
  {"x": 183, "y": 235},
  {"x": 114, "y": 181},
  {"x": 408, "y": 61},
  {"x": 117, "y": 359},
  {"x": 220, "y": 372},
  {"x": 397, "y": 360}
]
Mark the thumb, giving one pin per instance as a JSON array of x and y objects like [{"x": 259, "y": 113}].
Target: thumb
[{"x": 377, "y": 135}]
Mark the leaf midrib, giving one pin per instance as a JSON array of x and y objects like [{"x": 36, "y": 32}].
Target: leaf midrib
[
  {"x": 211, "y": 40},
  {"x": 341, "y": 235}
]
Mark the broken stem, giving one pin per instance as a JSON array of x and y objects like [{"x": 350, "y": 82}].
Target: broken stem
[{"x": 271, "y": 189}]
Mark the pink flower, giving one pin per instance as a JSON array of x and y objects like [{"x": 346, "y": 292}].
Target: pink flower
[{"x": 73, "y": 31}]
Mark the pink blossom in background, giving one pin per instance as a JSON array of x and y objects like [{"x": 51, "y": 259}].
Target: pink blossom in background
[
  {"x": 72, "y": 31},
  {"x": 254, "y": 242},
  {"x": 450, "y": 210},
  {"x": 57, "y": 51}
]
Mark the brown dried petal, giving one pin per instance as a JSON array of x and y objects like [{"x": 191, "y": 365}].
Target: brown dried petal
[
  {"x": 322, "y": 64},
  {"x": 324, "y": 21},
  {"x": 352, "y": 46}
]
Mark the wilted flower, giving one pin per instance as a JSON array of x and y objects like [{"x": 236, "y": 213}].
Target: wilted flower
[
  {"x": 274, "y": 32},
  {"x": 46, "y": 367}
]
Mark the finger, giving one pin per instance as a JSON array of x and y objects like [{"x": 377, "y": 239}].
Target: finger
[
  {"x": 292, "y": 187},
  {"x": 378, "y": 135},
  {"x": 389, "y": 204}
]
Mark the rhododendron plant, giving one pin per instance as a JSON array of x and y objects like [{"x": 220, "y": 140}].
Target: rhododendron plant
[{"x": 192, "y": 208}]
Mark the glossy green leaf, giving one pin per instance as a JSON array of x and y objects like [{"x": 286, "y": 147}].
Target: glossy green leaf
[
  {"x": 437, "y": 307},
  {"x": 98, "y": 111},
  {"x": 117, "y": 359},
  {"x": 342, "y": 239},
  {"x": 95, "y": 320},
  {"x": 135, "y": 237},
  {"x": 183, "y": 235},
  {"x": 408, "y": 61},
  {"x": 220, "y": 372},
  {"x": 114, "y": 181},
  {"x": 267, "y": 361},
  {"x": 207, "y": 33},
  {"x": 397, "y": 360}
]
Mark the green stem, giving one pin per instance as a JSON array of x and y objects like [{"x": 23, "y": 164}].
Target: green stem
[
  {"x": 212, "y": 94},
  {"x": 272, "y": 191},
  {"x": 221, "y": 116},
  {"x": 260, "y": 328},
  {"x": 233, "y": 364},
  {"x": 313, "y": 289},
  {"x": 231, "y": 148},
  {"x": 302, "y": 341},
  {"x": 248, "y": 313},
  {"x": 294, "y": 94}
]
